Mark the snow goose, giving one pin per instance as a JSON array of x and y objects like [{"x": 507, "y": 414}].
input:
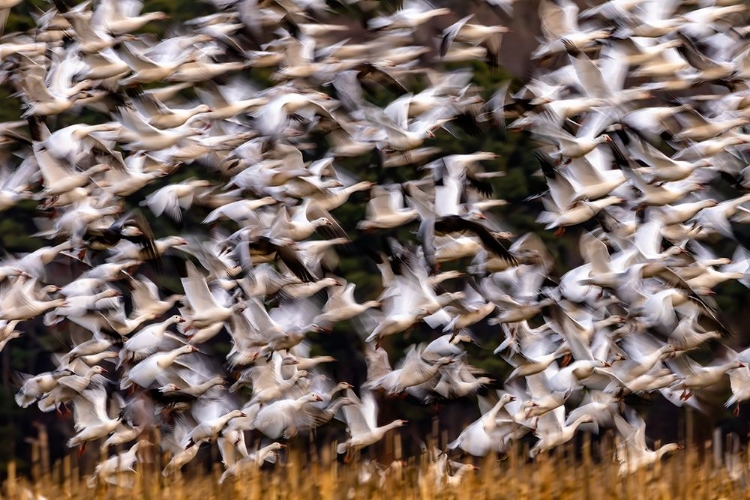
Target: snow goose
[
  {"x": 119, "y": 469},
  {"x": 700, "y": 128},
  {"x": 457, "y": 381},
  {"x": 552, "y": 430},
  {"x": 342, "y": 306},
  {"x": 399, "y": 134},
  {"x": 411, "y": 15},
  {"x": 560, "y": 22},
  {"x": 480, "y": 437},
  {"x": 361, "y": 419},
  {"x": 676, "y": 214},
  {"x": 543, "y": 399},
  {"x": 268, "y": 382},
  {"x": 70, "y": 387},
  {"x": 474, "y": 34},
  {"x": 57, "y": 96},
  {"x": 253, "y": 461},
  {"x": 115, "y": 322},
  {"x": 91, "y": 419},
  {"x": 413, "y": 370},
  {"x": 146, "y": 341},
  {"x": 145, "y": 296},
  {"x": 209, "y": 429},
  {"x": 83, "y": 304},
  {"x": 305, "y": 290},
  {"x": 696, "y": 376},
  {"x": 599, "y": 405},
  {"x": 337, "y": 196},
  {"x": 21, "y": 302},
  {"x": 35, "y": 386},
  {"x": 171, "y": 198},
  {"x": 239, "y": 211},
  {"x": 132, "y": 178},
  {"x": 632, "y": 452},
  {"x": 206, "y": 311},
  {"x": 281, "y": 417},
  {"x": 662, "y": 168},
  {"x": 153, "y": 368},
  {"x": 274, "y": 118},
  {"x": 385, "y": 210},
  {"x": 128, "y": 250},
  {"x": 298, "y": 227},
  {"x": 398, "y": 315},
  {"x": 564, "y": 207},
  {"x": 120, "y": 18},
  {"x": 710, "y": 277},
  {"x": 149, "y": 69},
  {"x": 689, "y": 334},
  {"x": 528, "y": 363},
  {"x": 446, "y": 346}
]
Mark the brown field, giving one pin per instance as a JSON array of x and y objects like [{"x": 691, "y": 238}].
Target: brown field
[{"x": 693, "y": 473}]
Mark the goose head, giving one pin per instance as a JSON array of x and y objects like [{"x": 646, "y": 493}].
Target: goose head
[
  {"x": 668, "y": 448},
  {"x": 187, "y": 349},
  {"x": 96, "y": 370},
  {"x": 130, "y": 231},
  {"x": 236, "y": 414},
  {"x": 586, "y": 419},
  {"x": 290, "y": 361},
  {"x": 507, "y": 398},
  {"x": 445, "y": 360},
  {"x": 322, "y": 221},
  {"x": 735, "y": 365},
  {"x": 462, "y": 337},
  {"x": 166, "y": 389},
  {"x": 175, "y": 319}
]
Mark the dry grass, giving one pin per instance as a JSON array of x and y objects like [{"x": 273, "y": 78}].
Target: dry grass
[{"x": 691, "y": 474}]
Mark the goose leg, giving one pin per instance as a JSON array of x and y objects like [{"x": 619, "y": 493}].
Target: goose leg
[
  {"x": 81, "y": 449},
  {"x": 560, "y": 231},
  {"x": 737, "y": 410}
]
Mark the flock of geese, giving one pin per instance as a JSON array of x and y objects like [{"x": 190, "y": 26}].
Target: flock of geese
[{"x": 638, "y": 107}]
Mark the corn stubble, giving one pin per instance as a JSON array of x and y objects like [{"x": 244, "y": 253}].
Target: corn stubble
[{"x": 586, "y": 472}]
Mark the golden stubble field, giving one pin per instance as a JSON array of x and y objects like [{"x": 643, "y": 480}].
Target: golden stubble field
[{"x": 697, "y": 472}]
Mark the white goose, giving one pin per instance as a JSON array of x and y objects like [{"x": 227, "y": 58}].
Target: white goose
[
  {"x": 91, "y": 419},
  {"x": 385, "y": 210},
  {"x": 152, "y": 369},
  {"x": 206, "y": 311},
  {"x": 146, "y": 300},
  {"x": 480, "y": 437},
  {"x": 633, "y": 453},
  {"x": 279, "y": 418},
  {"x": 361, "y": 419},
  {"x": 209, "y": 430},
  {"x": 342, "y": 306},
  {"x": 552, "y": 430},
  {"x": 146, "y": 341}
]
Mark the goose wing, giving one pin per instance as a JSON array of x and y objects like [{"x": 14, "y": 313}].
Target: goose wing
[
  {"x": 196, "y": 289},
  {"x": 450, "y": 33},
  {"x": 359, "y": 415}
]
